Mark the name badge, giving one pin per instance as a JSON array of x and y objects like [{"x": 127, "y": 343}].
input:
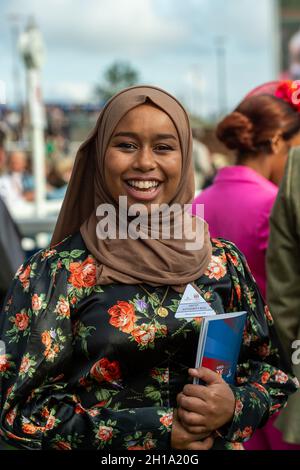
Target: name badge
[{"x": 193, "y": 305}]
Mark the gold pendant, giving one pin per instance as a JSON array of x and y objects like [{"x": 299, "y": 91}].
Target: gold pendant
[{"x": 162, "y": 312}]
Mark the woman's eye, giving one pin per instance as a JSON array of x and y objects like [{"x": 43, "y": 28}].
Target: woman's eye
[
  {"x": 126, "y": 146},
  {"x": 163, "y": 148}
]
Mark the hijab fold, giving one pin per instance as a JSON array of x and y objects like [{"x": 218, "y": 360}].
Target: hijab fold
[{"x": 153, "y": 261}]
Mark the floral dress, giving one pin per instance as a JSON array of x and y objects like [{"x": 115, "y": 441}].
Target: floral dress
[{"x": 99, "y": 367}]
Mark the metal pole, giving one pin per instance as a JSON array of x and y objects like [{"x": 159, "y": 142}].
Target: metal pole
[
  {"x": 276, "y": 25},
  {"x": 15, "y": 32},
  {"x": 221, "y": 74},
  {"x": 31, "y": 47},
  {"x": 37, "y": 138}
]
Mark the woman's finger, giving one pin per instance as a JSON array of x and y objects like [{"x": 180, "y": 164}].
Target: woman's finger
[
  {"x": 190, "y": 418},
  {"x": 197, "y": 391},
  {"x": 201, "y": 431},
  {"x": 192, "y": 404}
]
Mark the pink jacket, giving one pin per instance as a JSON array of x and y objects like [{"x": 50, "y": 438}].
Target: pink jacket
[{"x": 237, "y": 207}]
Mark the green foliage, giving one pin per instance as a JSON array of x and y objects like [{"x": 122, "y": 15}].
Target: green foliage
[
  {"x": 290, "y": 4},
  {"x": 119, "y": 75}
]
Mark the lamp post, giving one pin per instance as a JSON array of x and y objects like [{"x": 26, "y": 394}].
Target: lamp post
[
  {"x": 14, "y": 20},
  {"x": 220, "y": 43},
  {"x": 32, "y": 50}
]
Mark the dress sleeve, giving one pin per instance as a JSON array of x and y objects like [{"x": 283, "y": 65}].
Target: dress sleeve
[
  {"x": 38, "y": 410},
  {"x": 264, "y": 379}
]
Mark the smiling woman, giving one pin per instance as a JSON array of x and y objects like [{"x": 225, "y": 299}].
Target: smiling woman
[
  {"x": 95, "y": 357},
  {"x": 141, "y": 164}
]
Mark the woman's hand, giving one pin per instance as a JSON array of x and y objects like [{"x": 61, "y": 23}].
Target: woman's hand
[
  {"x": 204, "y": 409},
  {"x": 183, "y": 440}
]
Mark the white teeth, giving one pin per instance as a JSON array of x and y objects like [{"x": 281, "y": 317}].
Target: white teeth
[{"x": 143, "y": 184}]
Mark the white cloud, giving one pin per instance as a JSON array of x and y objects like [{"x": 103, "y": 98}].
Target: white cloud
[
  {"x": 163, "y": 39},
  {"x": 101, "y": 26},
  {"x": 235, "y": 19},
  {"x": 74, "y": 92}
]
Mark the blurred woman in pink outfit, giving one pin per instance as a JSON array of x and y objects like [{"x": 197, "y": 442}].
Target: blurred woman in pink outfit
[{"x": 237, "y": 206}]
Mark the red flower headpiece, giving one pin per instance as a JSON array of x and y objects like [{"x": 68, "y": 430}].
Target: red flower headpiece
[
  {"x": 286, "y": 90},
  {"x": 289, "y": 91}
]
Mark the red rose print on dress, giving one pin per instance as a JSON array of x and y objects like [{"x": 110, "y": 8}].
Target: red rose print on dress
[
  {"x": 238, "y": 407},
  {"x": 216, "y": 269},
  {"x": 79, "y": 410},
  {"x": 260, "y": 387},
  {"x": 167, "y": 419},
  {"x": 62, "y": 308},
  {"x": 36, "y": 302},
  {"x": 268, "y": 314},
  {"x": 21, "y": 321},
  {"x": 24, "y": 278},
  {"x": 105, "y": 433},
  {"x": 11, "y": 416},
  {"x": 265, "y": 377},
  {"x": 50, "y": 423},
  {"x": 48, "y": 253},
  {"x": 247, "y": 432},
  {"x": 281, "y": 377},
  {"x": 62, "y": 445},
  {"x": 30, "y": 428},
  {"x": 83, "y": 273},
  {"x": 107, "y": 371},
  {"x": 25, "y": 365},
  {"x": 122, "y": 316},
  {"x": 233, "y": 258},
  {"x": 144, "y": 334}
]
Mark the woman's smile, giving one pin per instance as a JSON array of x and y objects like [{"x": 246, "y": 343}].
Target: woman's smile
[{"x": 143, "y": 189}]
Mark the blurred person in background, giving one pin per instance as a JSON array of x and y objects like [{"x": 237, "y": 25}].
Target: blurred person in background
[
  {"x": 238, "y": 204},
  {"x": 56, "y": 119},
  {"x": 13, "y": 120},
  {"x": 63, "y": 170},
  {"x": 261, "y": 130},
  {"x": 283, "y": 287},
  {"x": 2, "y": 151},
  {"x": 294, "y": 56},
  {"x": 11, "y": 252},
  {"x": 50, "y": 147},
  {"x": 204, "y": 168},
  {"x": 58, "y": 127},
  {"x": 293, "y": 71},
  {"x": 16, "y": 184}
]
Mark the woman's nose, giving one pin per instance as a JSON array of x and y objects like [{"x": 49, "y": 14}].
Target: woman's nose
[{"x": 144, "y": 159}]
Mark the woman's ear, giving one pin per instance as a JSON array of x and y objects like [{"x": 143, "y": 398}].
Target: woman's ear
[{"x": 276, "y": 143}]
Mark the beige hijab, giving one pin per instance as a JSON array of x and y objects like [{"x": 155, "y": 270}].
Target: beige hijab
[{"x": 151, "y": 261}]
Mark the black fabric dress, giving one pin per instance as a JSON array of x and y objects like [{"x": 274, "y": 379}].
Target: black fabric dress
[{"x": 99, "y": 367}]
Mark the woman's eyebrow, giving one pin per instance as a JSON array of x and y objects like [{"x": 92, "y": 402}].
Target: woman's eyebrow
[
  {"x": 166, "y": 136},
  {"x": 126, "y": 134},
  {"x": 135, "y": 135}
]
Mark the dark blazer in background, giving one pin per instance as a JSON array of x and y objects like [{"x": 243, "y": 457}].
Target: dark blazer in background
[{"x": 283, "y": 289}]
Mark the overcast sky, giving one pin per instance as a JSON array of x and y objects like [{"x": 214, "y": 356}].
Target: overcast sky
[{"x": 170, "y": 42}]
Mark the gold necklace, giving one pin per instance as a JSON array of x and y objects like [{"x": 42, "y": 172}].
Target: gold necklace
[{"x": 159, "y": 310}]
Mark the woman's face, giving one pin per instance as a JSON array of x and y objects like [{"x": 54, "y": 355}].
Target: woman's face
[
  {"x": 279, "y": 159},
  {"x": 295, "y": 140},
  {"x": 143, "y": 159}
]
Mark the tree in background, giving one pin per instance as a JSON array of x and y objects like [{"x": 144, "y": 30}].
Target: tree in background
[{"x": 119, "y": 75}]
